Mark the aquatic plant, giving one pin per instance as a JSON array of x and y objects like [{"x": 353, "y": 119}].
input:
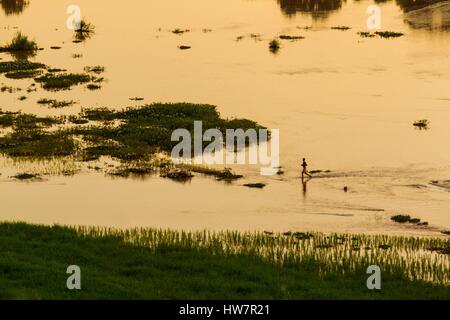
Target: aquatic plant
[
  {"x": 180, "y": 31},
  {"x": 422, "y": 124},
  {"x": 274, "y": 46},
  {"x": 93, "y": 86},
  {"x": 177, "y": 174},
  {"x": 406, "y": 218},
  {"x": 401, "y": 218},
  {"x": 287, "y": 37},
  {"x": 26, "y": 176},
  {"x": 127, "y": 135},
  {"x": 62, "y": 81},
  {"x": 365, "y": 34},
  {"x": 95, "y": 69},
  {"x": 255, "y": 185},
  {"x": 388, "y": 34},
  {"x": 55, "y": 104},
  {"x": 341, "y": 28},
  {"x": 21, "y": 65},
  {"x": 83, "y": 30},
  {"x": 23, "y": 74},
  {"x": 20, "y": 42}
]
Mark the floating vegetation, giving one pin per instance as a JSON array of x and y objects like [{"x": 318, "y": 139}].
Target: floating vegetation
[
  {"x": 255, "y": 185},
  {"x": 62, "y": 81},
  {"x": 422, "y": 124},
  {"x": 381, "y": 34},
  {"x": 26, "y": 176},
  {"x": 180, "y": 31},
  {"x": 23, "y": 74},
  {"x": 93, "y": 86},
  {"x": 227, "y": 175},
  {"x": 55, "y": 104},
  {"x": 20, "y": 43},
  {"x": 9, "y": 89},
  {"x": 138, "y": 169},
  {"x": 182, "y": 47},
  {"x": 220, "y": 174},
  {"x": 56, "y": 70},
  {"x": 95, "y": 69},
  {"x": 35, "y": 143},
  {"x": 293, "y": 38},
  {"x": 20, "y": 121},
  {"x": 388, "y": 34},
  {"x": 178, "y": 175},
  {"x": 364, "y": 34},
  {"x": 341, "y": 28},
  {"x": 401, "y": 218},
  {"x": 274, "y": 46},
  {"x": 77, "y": 120},
  {"x": 21, "y": 65},
  {"x": 21, "y": 98},
  {"x": 406, "y": 218}
]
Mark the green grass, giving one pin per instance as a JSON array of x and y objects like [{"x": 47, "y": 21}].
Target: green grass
[
  {"x": 20, "y": 42},
  {"x": 63, "y": 81},
  {"x": 20, "y": 121},
  {"x": 37, "y": 144},
  {"x": 164, "y": 264},
  {"x": 128, "y": 135}
]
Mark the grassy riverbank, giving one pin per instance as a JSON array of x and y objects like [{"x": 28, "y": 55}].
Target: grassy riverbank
[{"x": 161, "y": 264}]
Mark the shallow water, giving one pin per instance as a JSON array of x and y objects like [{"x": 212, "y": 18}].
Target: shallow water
[{"x": 346, "y": 103}]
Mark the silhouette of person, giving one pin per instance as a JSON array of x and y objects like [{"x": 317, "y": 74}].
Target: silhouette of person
[{"x": 305, "y": 171}]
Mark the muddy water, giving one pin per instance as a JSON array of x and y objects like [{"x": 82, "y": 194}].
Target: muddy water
[{"x": 346, "y": 103}]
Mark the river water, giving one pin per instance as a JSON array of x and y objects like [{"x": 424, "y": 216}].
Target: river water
[{"x": 344, "y": 102}]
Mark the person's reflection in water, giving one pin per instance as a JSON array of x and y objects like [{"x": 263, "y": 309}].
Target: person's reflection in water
[{"x": 305, "y": 186}]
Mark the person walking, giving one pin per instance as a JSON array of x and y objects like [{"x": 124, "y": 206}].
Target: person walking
[{"x": 305, "y": 170}]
